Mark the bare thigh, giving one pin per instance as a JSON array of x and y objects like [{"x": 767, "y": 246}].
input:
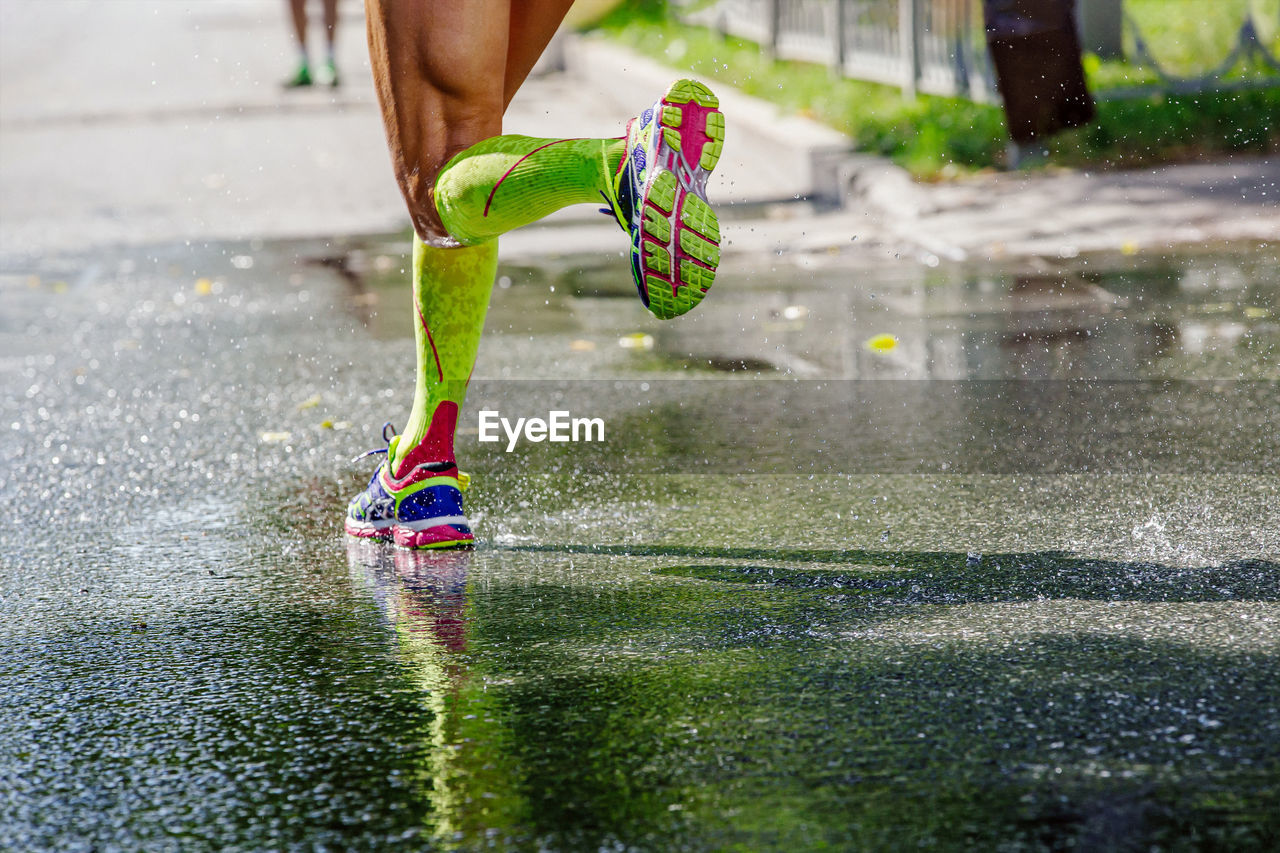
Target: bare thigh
[
  {"x": 445, "y": 71},
  {"x": 531, "y": 26},
  {"x": 438, "y": 68}
]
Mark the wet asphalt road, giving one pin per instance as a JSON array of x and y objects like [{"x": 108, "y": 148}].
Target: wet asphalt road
[{"x": 1010, "y": 583}]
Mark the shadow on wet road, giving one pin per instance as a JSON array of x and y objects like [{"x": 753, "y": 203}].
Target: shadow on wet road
[{"x": 992, "y": 577}]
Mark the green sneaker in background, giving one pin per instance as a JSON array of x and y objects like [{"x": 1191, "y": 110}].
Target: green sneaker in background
[
  {"x": 301, "y": 78},
  {"x": 329, "y": 74}
]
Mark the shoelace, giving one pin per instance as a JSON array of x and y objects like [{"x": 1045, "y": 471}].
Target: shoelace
[
  {"x": 386, "y": 438},
  {"x": 618, "y": 213}
]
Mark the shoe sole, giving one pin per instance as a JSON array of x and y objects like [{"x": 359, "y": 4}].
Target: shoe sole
[
  {"x": 435, "y": 538},
  {"x": 679, "y": 237},
  {"x": 432, "y": 538},
  {"x": 369, "y": 532}
]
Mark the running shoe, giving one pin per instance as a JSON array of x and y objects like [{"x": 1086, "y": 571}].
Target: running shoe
[
  {"x": 422, "y": 509},
  {"x": 300, "y": 79},
  {"x": 329, "y": 74},
  {"x": 659, "y": 197}
]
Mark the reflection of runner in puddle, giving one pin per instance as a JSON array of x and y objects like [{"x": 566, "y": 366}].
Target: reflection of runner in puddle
[{"x": 468, "y": 772}]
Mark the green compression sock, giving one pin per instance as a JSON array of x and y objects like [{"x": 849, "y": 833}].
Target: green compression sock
[
  {"x": 451, "y": 290},
  {"x": 505, "y": 182}
]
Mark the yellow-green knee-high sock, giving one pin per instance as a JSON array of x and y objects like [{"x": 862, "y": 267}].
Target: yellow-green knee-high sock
[
  {"x": 504, "y": 182},
  {"x": 451, "y": 289}
]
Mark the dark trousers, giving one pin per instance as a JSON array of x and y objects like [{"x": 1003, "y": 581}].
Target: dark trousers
[{"x": 1036, "y": 53}]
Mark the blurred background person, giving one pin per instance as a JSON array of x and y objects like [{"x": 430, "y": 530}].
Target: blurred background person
[{"x": 328, "y": 73}]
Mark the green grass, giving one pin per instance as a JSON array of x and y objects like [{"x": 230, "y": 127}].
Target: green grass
[
  {"x": 940, "y": 137},
  {"x": 1192, "y": 36}
]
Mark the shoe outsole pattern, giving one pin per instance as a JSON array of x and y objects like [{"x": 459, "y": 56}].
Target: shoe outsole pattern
[{"x": 679, "y": 247}]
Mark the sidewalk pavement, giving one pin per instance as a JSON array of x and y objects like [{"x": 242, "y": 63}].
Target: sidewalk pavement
[{"x": 171, "y": 126}]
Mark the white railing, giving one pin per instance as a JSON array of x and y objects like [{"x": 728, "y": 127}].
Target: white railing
[
  {"x": 939, "y": 46},
  {"x": 933, "y": 46}
]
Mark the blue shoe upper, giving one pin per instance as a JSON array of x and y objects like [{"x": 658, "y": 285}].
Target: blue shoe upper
[
  {"x": 437, "y": 504},
  {"x": 375, "y": 504}
]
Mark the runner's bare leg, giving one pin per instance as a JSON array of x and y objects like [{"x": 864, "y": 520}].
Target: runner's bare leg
[
  {"x": 445, "y": 71},
  {"x": 533, "y": 23},
  {"x": 331, "y": 22},
  {"x": 298, "y": 13}
]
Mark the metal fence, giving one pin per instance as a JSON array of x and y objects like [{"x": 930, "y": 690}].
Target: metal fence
[
  {"x": 1248, "y": 47},
  {"x": 934, "y": 46}
]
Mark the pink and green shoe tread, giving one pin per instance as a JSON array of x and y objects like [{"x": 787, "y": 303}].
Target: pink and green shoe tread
[{"x": 660, "y": 197}]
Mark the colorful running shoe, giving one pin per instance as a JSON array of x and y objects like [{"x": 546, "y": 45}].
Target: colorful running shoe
[
  {"x": 660, "y": 197},
  {"x": 422, "y": 509},
  {"x": 300, "y": 79},
  {"x": 329, "y": 74}
]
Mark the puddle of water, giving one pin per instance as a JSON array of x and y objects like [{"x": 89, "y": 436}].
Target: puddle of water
[{"x": 1017, "y": 571}]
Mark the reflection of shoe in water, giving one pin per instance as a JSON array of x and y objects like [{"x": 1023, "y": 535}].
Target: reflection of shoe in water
[
  {"x": 368, "y": 555},
  {"x": 372, "y": 570},
  {"x": 660, "y": 197},
  {"x": 422, "y": 509},
  {"x": 434, "y": 584},
  {"x": 443, "y": 573},
  {"x": 301, "y": 78}
]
